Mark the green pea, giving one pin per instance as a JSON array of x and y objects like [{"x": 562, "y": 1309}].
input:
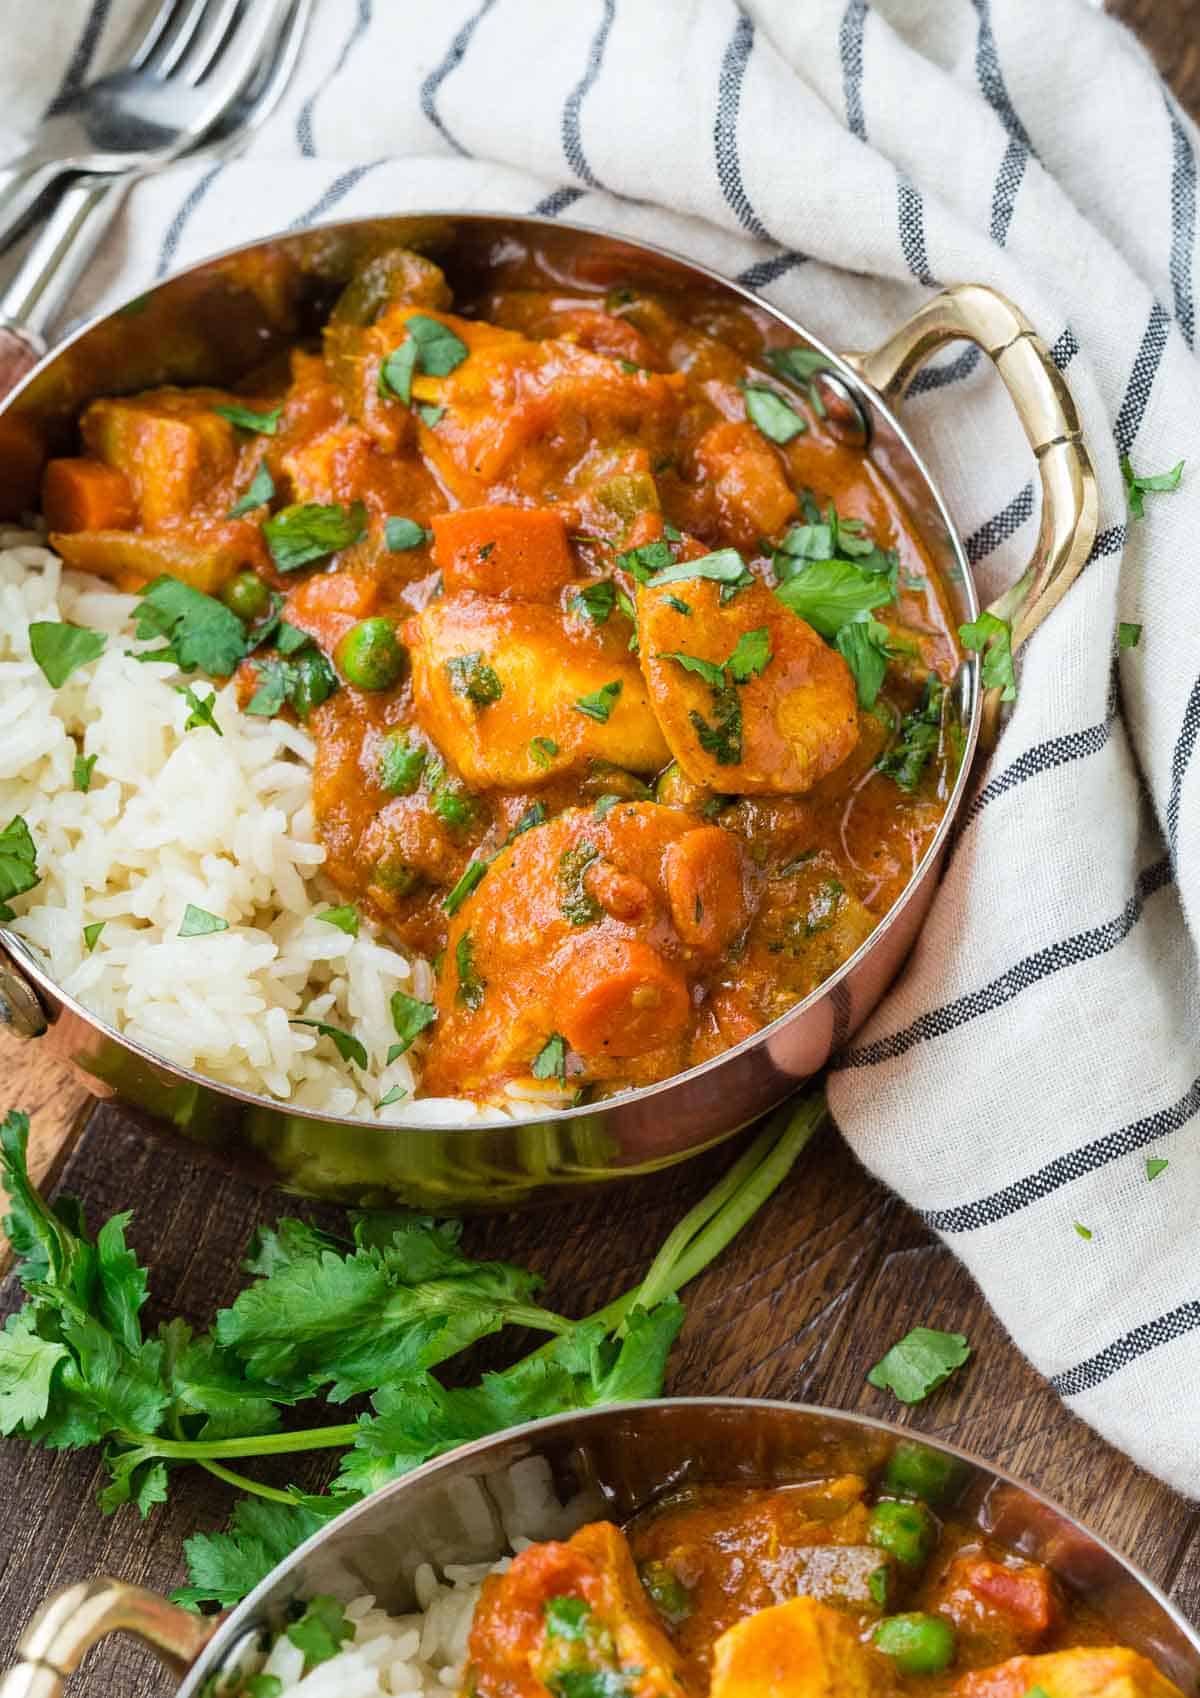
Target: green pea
[
  {"x": 396, "y": 876},
  {"x": 916, "y": 1471},
  {"x": 670, "y": 1597},
  {"x": 370, "y": 656},
  {"x": 916, "y": 1643},
  {"x": 906, "y": 1531},
  {"x": 246, "y": 595}
]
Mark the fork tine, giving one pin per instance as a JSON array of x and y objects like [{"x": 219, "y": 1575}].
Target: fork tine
[
  {"x": 164, "y": 12},
  {"x": 172, "y": 42},
  {"x": 208, "y": 40},
  {"x": 239, "y": 51}
]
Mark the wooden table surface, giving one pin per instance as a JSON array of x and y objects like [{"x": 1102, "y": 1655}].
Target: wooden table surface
[{"x": 832, "y": 1272}]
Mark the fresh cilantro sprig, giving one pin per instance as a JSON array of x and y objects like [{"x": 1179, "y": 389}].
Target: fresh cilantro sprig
[
  {"x": 1137, "y": 487},
  {"x": 321, "y": 1320},
  {"x": 18, "y": 863},
  {"x": 919, "y": 1362},
  {"x": 201, "y": 633},
  {"x": 991, "y": 638}
]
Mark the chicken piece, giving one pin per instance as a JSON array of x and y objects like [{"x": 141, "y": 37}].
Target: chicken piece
[
  {"x": 130, "y": 558},
  {"x": 801, "y": 1649},
  {"x": 782, "y": 717},
  {"x": 570, "y": 933},
  {"x": 1003, "y": 1607},
  {"x": 568, "y": 1618},
  {"x": 513, "y": 694},
  {"x": 754, "y": 498},
  {"x": 170, "y": 444},
  {"x": 1088, "y": 1671},
  {"x": 519, "y": 553}
]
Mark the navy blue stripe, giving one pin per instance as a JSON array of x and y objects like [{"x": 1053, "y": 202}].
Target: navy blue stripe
[
  {"x": 910, "y": 213},
  {"x": 304, "y": 123},
  {"x": 1141, "y": 378},
  {"x": 175, "y": 229},
  {"x": 1065, "y": 349},
  {"x": 1042, "y": 757},
  {"x": 765, "y": 271},
  {"x": 1108, "y": 542},
  {"x": 1176, "y": 1323},
  {"x": 1001, "y": 525},
  {"x": 1185, "y": 747},
  {"x": 850, "y": 45},
  {"x": 558, "y": 200},
  {"x": 991, "y": 78},
  {"x": 336, "y": 192},
  {"x": 725, "y": 146},
  {"x": 1054, "y": 958},
  {"x": 1008, "y": 181},
  {"x": 454, "y": 56},
  {"x": 1063, "y": 1170},
  {"x": 80, "y": 62},
  {"x": 1183, "y": 223},
  {"x": 571, "y": 139},
  {"x": 961, "y": 366}
]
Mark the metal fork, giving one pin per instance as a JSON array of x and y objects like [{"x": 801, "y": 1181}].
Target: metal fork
[
  {"x": 196, "y": 57},
  {"x": 39, "y": 290}
]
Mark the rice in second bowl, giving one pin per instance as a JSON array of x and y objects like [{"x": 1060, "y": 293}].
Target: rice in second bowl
[{"x": 174, "y": 817}]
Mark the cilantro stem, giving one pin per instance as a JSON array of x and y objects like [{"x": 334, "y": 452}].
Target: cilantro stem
[
  {"x": 243, "y": 1483},
  {"x": 268, "y": 1444}
]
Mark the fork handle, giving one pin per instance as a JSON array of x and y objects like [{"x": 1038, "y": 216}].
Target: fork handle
[
  {"x": 20, "y": 194},
  {"x": 18, "y": 356}
]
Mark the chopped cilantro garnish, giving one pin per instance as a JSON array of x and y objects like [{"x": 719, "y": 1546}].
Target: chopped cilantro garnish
[
  {"x": 828, "y": 594},
  {"x": 18, "y": 863},
  {"x": 1156, "y": 1165},
  {"x": 303, "y": 683},
  {"x": 722, "y": 738},
  {"x": 259, "y": 491},
  {"x": 1136, "y": 488},
  {"x": 991, "y": 637},
  {"x": 201, "y": 710},
  {"x": 410, "y": 1016},
  {"x": 201, "y": 632},
  {"x": 309, "y": 531},
  {"x": 542, "y": 751},
  {"x": 198, "y": 922},
  {"x": 263, "y": 424},
  {"x": 1083, "y": 1231},
  {"x": 472, "y": 876},
  {"x": 290, "y": 639},
  {"x": 679, "y": 606},
  {"x": 712, "y": 674},
  {"x": 726, "y": 566},
  {"x": 772, "y": 414},
  {"x": 642, "y": 563},
  {"x": 600, "y": 703},
  {"x": 920, "y": 1362},
  {"x": 577, "y": 904},
  {"x": 471, "y": 987},
  {"x": 402, "y": 534},
  {"x": 606, "y": 803},
  {"x": 566, "y": 1618},
  {"x": 321, "y": 1630},
  {"x": 918, "y": 737},
  {"x": 431, "y": 416},
  {"x": 60, "y": 649},
  {"x": 864, "y": 644},
  {"x": 1128, "y": 636},
  {"x": 596, "y": 600},
  {"x": 550, "y": 1062},
  {"x": 347, "y": 1045},
  {"x": 81, "y": 772},
  {"x": 392, "y": 1096},
  {"x": 344, "y": 918},
  {"x": 471, "y": 676},
  {"x": 439, "y": 350},
  {"x": 396, "y": 372},
  {"x": 751, "y": 655},
  {"x": 91, "y": 934}
]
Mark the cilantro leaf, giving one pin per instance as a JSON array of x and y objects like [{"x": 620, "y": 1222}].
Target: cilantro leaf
[
  {"x": 751, "y": 655},
  {"x": 259, "y": 491},
  {"x": 772, "y": 414},
  {"x": 800, "y": 364},
  {"x": 712, "y": 674},
  {"x": 28, "y": 1364},
  {"x": 225, "y": 1566},
  {"x": 198, "y": 922},
  {"x": 392, "y": 1096},
  {"x": 597, "y": 600},
  {"x": 1084, "y": 1231},
  {"x": 201, "y": 632},
  {"x": 18, "y": 863},
  {"x": 402, "y": 534},
  {"x": 320, "y": 1631},
  {"x": 919, "y": 735},
  {"x": 991, "y": 638},
  {"x": 722, "y": 737},
  {"x": 400, "y": 765},
  {"x": 431, "y": 416},
  {"x": 302, "y": 682},
  {"x": 263, "y": 424},
  {"x": 290, "y": 639},
  {"x": 1156, "y": 1165},
  {"x": 59, "y": 649},
  {"x": 81, "y": 772},
  {"x": 920, "y": 1362},
  {"x": 201, "y": 707},
  {"x": 308, "y": 531},
  {"x": 1128, "y": 636},
  {"x": 565, "y": 1617},
  {"x": 396, "y": 372},
  {"x": 91, "y": 934},
  {"x": 471, "y": 676},
  {"x": 864, "y": 645},
  {"x": 599, "y": 704},
  {"x": 550, "y": 1062},
  {"x": 542, "y": 751},
  {"x": 471, "y": 987},
  {"x": 347, "y": 1045},
  {"x": 1136, "y": 488},
  {"x": 642, "y": 563},
  {"x": 439, "y": 350},
  {"x": 726, "y": 566},
  {"x": 344, "y": 918},
  {"x": 410, "y": 1016},
  {"x": 828, "y": 594},
  {"x": 472, "y": 876}
]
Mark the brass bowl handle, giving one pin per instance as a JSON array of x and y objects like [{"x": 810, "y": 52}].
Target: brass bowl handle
[
  {"x": 1070, "y": 501},
  {"x": 72, "y": 1621}
]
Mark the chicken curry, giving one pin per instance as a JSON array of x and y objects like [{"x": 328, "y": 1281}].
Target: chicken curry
[
  {"x": 804, "y": 1591},
  {"x": 629, "y": 676}
]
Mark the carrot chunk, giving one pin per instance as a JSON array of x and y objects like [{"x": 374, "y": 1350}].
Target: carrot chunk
[
  {"x": 520, "y": 553},
  {"x": 86, "y": 495},
  {"x": 704, "y": 887},
  {"x": 616, "y": 996}
]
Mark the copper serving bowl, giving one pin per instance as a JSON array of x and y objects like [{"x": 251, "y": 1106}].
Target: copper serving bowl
[
  {"x": 209, "y": 325},
  {"x": 622, "y": 1458}
]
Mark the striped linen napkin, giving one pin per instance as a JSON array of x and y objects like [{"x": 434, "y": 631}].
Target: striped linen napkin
[{"x": 1039, "y": 1060}]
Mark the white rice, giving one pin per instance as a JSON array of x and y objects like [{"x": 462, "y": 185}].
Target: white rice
[
  {"x": 422, "y": 1654},
  {"x": 172, "y": 818}
]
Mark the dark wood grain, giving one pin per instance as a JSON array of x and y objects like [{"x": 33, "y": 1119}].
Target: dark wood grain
[{"x": 830, "y": 1273}]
